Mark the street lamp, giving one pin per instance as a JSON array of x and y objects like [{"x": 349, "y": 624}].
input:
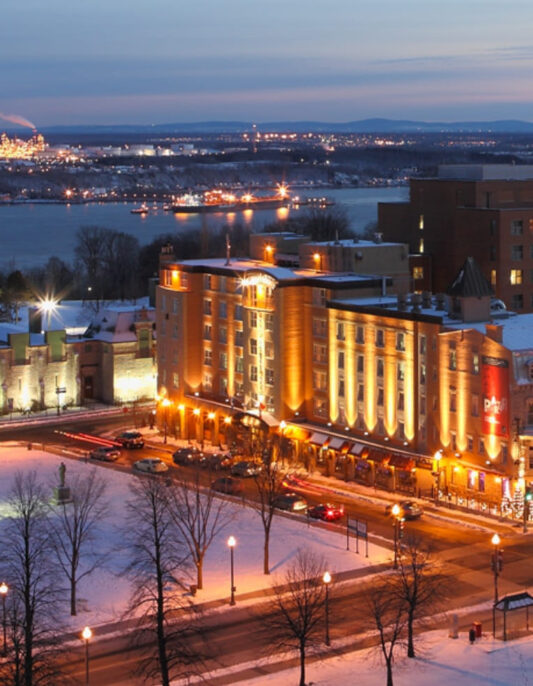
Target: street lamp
[
  {"x": 396, "y": 509},
  {"x": 86, "y": 634},
  {"x": 3, "y": 591},
  {"x": 436, "y": 474},
  {"x": 231, "y": 544},
  {"x": 166, "y": 404},
  {"x": 327, "y": 580},
  {"x": 48, "y": 306},
  {"x": 496, "y": 563}
]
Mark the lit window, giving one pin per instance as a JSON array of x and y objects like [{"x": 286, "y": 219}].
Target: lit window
[
  {"x": 223, "y": 361},
  {"x": 515, "y": 277},
  {"x": 208, "y": 357},
  {"x": 401, "y": 371},
  {"x": 418, "y": 273},
  {"x": 400, "y": 342},
  {"x": 421, "y": 222},
  {"x": 253, "y": 346},
  {"x": 340, "y": 331},
  {"x": 269, "y": 376},
  {"x": 492, "y": 277},
  {"x": 253, "y": 373},
  {"x": 475, "y": 363},
  {"x": 421, "y": 246},
  {"x": 253, "y": 319}
]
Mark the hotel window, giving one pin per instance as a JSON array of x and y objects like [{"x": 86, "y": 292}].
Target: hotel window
[
  {"x": 269, "y": 376},
  {"x": 423, "y": 345},
  {"x": 470, "y": 444},
  {"x": 319, "y": 381},
  {"x": 481, "y": 482},
  {"x": 517, "y": 301},
  {"x": 481, "y": 446},
  {"x": 239, "y": 338},
  {"x": 360, "y": 392},
  {"x": 380, "y": 427},
  {"x": 253, "y": 346},
  {"x": 422, "y": 405},
  {"x": 222, "y": 309},
  {"x": 400, "y": 371},
  {"x": 223, "y": 386},
  {"x": 207, "y": 332},
  {"x": 340, "y": 359},
  {"x": 207, "y": 282},
  {"x": 418, "y": 273},
  {"x": 492, "y": 277},
  {"x": 380, "y": 397},
  {"x": 453, "y": 399},
  {"x": 174, "y": 305},
  {"x": 453, "y": 440},
  {"x": 379, "y": 367},
  {"x": 475, "y": 362},
  {"x": 400, "y": 342},
  {"x": 517, "y": 227},
  {"x": 422, "y": 374},
  {"x": 452, "y": 356},
  {"x": 269, "y": 322},
  {"x": 239, "y": 365},
  {"x": 175, "y": 331},
  {"x": 340, "y": 331},
  {"x": 319, "y": 353},
  {"x": 207, "y": 306},
  {"x": 207, "y": 383},
  {"x": 237, "y": 313},
  {"x": 360, "y": 364},
  {"x": 401, "y": 401},
  {"x": 505, "y": 453},
  {"x": 492, "y": 253},
  {"x": 320, "y": 328},
  {"x": 253, "y": 320},
  {"x": 360, "y": 334},
  {"x": 269, "y": 350},
  {"x": 421, "y": 222},
  {"x": 401, "y": 431},
  {"x": 184, "y": 280},
  {"x": 208, "y": 357},
  {"x": 175, "y": 380},
  {"x": 516, "y": 276},
  {"x": 421, "y": 246},
  {"x": 253, "y": 373},
  {"x": 222, "y": 284},
  {"x": 223, "y": 361},
  {"x": 380, "y": 338},
  {"x": 223, "y": 334},
  {"x": 474, "y": 405},
  {"x": 319, "y": 296},
  {"x": 320, "y": 407},
  {"x": 517, "y": 252},
  {"x": 341, "y": 388}
]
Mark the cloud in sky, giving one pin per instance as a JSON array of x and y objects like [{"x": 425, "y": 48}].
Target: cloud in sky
[{"x": 118, "y": 61}]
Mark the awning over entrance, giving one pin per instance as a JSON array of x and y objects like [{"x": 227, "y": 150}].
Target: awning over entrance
[
  {"x": 252, "y": 419},
  {"x": 401, "y": 462},
  {"x": 338, "y": 444},
  {"x": 379, "y": 457},
  {"x": 296, "y": 433},
  {"x": 357, "y": 449},
  {"x": 318, "y": 439}
]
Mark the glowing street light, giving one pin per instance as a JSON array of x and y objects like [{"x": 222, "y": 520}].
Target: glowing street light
[
  {"x": 326, "y": 578},
  {"x": 86, "y": 635},
  {"x": 231, "y": 545},
  {"x": 396, "y": 511},
  {"x": 496, "y": 563},
  {"x": 48, "y": 306},
  {"x": 3, "y": 591}
]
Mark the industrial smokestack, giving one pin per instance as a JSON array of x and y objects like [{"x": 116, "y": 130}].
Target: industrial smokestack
[{"x": 16, "y": 119}]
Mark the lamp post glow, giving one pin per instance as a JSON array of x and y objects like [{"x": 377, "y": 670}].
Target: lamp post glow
[
  {"x": 396, "y": 514},
  {"x": 231, "y": 545},
  {"x": 496, "y": 563},
  {"x": 48, "y": 306},
  {"x": 327, "y": 580},
  {"x": 437, "y": 457},
  {"x": 86, "y": 634},
  {"x": 3, "y": 591},
  {"x": 166, "y": 404}
]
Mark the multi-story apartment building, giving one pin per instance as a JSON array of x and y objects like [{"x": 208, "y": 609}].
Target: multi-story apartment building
[
  {"x": 408, "y": 392},
  {"x": 479, "y": 211}
]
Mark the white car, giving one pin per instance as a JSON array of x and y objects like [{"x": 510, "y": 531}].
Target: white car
[{"x": 151, "y": 464}]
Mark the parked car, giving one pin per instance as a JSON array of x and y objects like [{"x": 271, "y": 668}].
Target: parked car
[
  {"x": 409, "y": 509},
  {"x": 105, "y": 453},
  {"x": 187, "y": 456},
  {"x": 153, "y": 465},
  {"x": 130, "y": 439},
  {"x": 226, "y": 484},
  {"x": 246, "y": 468},
  {"x": 326, "y": 512},
  {"x": 290, "y": 501},
  {"x": 215, "y": 461}
]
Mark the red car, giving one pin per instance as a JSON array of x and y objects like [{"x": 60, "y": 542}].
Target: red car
[{"x": 327, "y": 512}]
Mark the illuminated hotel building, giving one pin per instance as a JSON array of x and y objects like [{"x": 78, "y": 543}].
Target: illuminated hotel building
[{"x": 410, "y": 393}]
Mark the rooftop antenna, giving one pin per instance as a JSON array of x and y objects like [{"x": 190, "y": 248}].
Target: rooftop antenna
[{"x": 228, "y": 248}]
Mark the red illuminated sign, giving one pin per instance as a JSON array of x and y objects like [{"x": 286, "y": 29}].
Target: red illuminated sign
[{"x": 495, "y": 387}]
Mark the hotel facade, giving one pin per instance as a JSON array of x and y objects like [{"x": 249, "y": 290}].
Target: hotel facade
[{"x": 407, "y": 392}]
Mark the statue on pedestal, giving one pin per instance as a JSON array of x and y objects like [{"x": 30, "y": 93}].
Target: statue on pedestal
[{"x": 62, "y": 492}]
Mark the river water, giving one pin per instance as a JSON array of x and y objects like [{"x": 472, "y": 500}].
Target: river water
[{"x": 31, "y": 233}]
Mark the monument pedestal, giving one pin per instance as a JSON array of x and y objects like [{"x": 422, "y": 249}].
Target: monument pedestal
[{"x": 62, "y": 495}]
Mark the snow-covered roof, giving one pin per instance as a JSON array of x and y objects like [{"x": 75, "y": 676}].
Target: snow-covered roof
[{"x": 116, "y": 324}]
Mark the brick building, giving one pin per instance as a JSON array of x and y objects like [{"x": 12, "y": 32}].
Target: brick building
[{"x": 482, "y": 211}]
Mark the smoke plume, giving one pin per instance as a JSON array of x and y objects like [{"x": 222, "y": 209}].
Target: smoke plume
[{"x": 15, "y": 119}]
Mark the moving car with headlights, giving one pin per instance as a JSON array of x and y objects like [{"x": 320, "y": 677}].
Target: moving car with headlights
[
  {"x": 153, "y": 465},
  {"x": 291, "y": 502},
  {"x": 246, "y": 468},
  {"x": 105, "y": 453},
  {"x": 326, "y": 512},
  {"x": 187, "y": 456},
  {"x": 408, "y": 509},
  {"x": 130, "y": 439},
  {"x": 228, "y": 485}
]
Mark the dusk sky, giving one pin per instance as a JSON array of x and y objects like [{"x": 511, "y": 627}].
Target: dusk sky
[{"x": 134, "y": 61}]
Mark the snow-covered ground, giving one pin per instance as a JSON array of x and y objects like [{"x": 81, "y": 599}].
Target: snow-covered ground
[
  {"x": 442, "y": 661},
  {"x": 104, "y": 594}
]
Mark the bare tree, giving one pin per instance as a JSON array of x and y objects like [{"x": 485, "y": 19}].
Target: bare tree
[
  {"x": 296, "y": 620},
  {"x": 74, "y": 526},
  {"x": 28, "y": 566},
  {"x": 418, "y": 585},
  {"x": 199, "y": 516},
  {"x": 269, "y": 485},
  {"x": 158, "y": 556},
  {"x": 387, "y": 612}
]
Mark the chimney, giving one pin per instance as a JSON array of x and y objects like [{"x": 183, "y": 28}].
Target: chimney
[
  {"x": 440, "y": 301},
  {"x": 35, "y": 320},
  {"x": 402, "y": 302},
  {"x": 495, "y": 332},
  {"x": 417, "y": 302},
  {"x": 426, "y": 299}
]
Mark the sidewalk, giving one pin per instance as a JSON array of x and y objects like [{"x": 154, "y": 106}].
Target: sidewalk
[{"x": 50, "y": 416}]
